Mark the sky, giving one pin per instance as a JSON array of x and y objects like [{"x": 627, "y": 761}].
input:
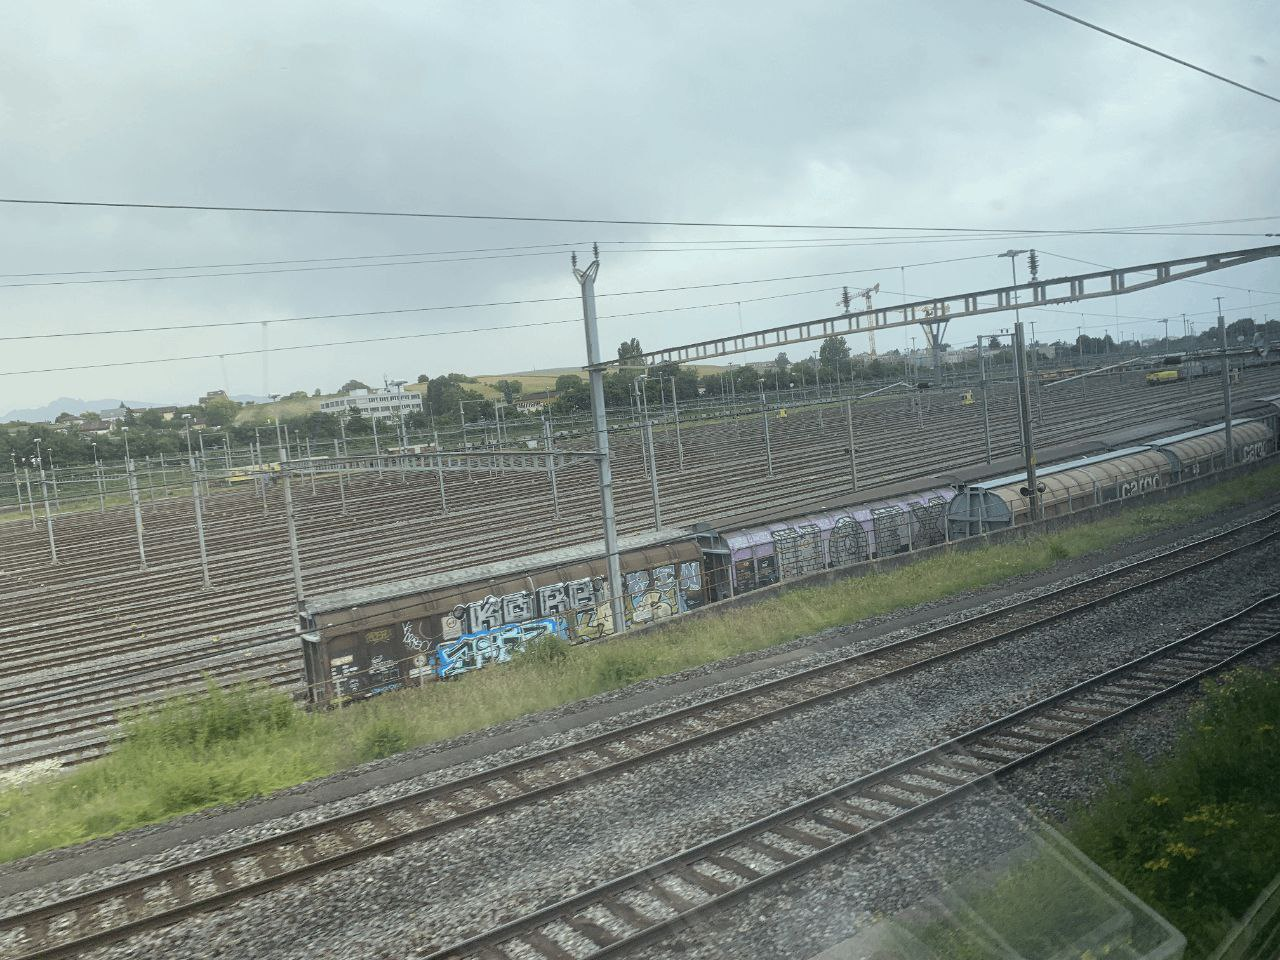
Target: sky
[{"x": 985, "y": 115}]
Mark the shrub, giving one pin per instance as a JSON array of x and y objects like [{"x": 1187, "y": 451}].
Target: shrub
[
  {"x": 383, "y": 739},
  {"x": 545, "y": 651}
]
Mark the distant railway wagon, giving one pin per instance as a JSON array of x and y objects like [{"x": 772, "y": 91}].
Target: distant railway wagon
[
  {"x": 764, "y": 554},
  {"x": 1060, "y": 373},
  {"x": 357, "y": 643},
  {"x": 1114, "y": 475},
  {"x": 253, "y": 472}
]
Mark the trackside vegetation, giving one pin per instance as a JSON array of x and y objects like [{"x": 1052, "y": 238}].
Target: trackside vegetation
[
  {"x": 1195, "y": 836},
  {"x": 228, "y": 746}
]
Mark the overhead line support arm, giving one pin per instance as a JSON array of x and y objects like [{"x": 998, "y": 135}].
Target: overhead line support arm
[{"x": 1084, "y": 286}]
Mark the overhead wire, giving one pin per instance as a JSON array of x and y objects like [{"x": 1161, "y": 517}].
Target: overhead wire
[
  {"x": 401, "y": 337},
  {"x": 1142, "y": 46},
  {"x": 325, "y": 265},
  {"x": 513, "y": 218},
  {"x": 466, "y": 306}
]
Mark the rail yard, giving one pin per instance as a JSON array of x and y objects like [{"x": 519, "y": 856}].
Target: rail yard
[
  {"x": 639, "y": 482},
  {"x": 672, "y": 873},
  {"x": 145, "y": 635}
]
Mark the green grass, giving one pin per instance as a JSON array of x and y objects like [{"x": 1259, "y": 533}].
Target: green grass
[
  {"x": 1196, "y": 837},
  {"x": 155, "y": 775}
]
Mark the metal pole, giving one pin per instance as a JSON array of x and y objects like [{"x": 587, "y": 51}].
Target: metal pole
[
  {"x": 853, "y": 448},
  {"x": 48, "y": 520},
  {"x": 764, "y": 415},
  {"x": 53, "y": 474},
  {"x": 102, "y": 494},
  {"x": 1035, "y": 508},
  {"x": 164, "y": 477},
  {"x": 462, "y": 419},
  {"x": 377, "y": 450},
  {"x": 587, "y": 280},
  {"x": 342, "y": 484},
  {"x": 675, "y": 406},
  {"x": 151, "y": 487},
  {"x": 1035, "y": 370},
  {"x": 311, "y": 472},
  {"x": 640, "y": 414},
  {"x": 131, "y": 476},
  {"x": 262, "y": 478},
  {"x": 1226, "y": 383},
  {"x": 444, "y": 504},
  {"x": 200, "y": 438},
  {"x": 294, "y": 559},
  {"x": 17, "y": 484},
  {"x": 653, "y": 473},
  {"x": 30, "y": 502},
  {"x": 551, "y": 466},
  {"x": 195, "y": 495},
  {"x": 986, "y": 405}
]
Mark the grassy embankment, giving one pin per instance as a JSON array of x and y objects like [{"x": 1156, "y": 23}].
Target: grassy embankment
[
  {"x": 1196, "y": 836},
  {"x": 232, "y": 747}
]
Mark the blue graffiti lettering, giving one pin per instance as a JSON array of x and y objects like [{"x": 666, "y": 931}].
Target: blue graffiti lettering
[{"x": 471, "y": 651}]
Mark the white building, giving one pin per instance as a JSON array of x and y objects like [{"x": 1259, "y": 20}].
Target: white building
[{"x": 383, "y": 404}]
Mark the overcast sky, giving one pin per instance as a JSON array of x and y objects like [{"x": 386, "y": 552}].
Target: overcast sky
[{"x": 975, "y": 114}]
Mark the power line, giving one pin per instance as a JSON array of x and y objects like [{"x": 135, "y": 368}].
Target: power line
[
  {"x": 827, "y": 241},
  {"x": 395, "y": 337},
  {"x": 408, "y": 336},
  {"x": 301, "y": 346},
  {"x": 510, "y": 218},
  {"x": 275, "y": 263},
  {"x": 1143, "y": 46},
  {"x": 216, "y": 324},
  {"x": 326, "y": 266}
]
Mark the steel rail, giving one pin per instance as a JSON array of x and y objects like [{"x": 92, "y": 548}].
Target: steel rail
[
  {"x": 951, "y": 769},
  {"x": 611, "y": 745},
  {"x": 98, "y": 652}
]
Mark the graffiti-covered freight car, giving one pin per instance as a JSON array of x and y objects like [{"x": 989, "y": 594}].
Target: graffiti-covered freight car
[
  {"x": 373, "y": 639},
  {"x": 876, "y": 524}
]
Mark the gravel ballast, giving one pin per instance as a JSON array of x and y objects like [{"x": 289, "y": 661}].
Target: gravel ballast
[{"x": 443, "y": 889}]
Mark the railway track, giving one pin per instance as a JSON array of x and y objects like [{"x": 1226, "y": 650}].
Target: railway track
[
  {"x": 164, "y": 611},
  {"x": 155, "y": 899},
  {"x": 659, "y": 899}
]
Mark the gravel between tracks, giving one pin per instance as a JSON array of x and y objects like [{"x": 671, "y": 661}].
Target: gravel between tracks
[
  {"x": 439, "y": 890},
  {"x": 702, "y": 683}
]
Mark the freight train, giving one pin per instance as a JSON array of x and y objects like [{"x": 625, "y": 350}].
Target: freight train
[{"x": 357, "y": 643}]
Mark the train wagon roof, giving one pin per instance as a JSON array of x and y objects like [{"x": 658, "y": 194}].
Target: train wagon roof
[
  {"x": 964, "y": 476},
  {"x": 1128, "y": 436},
  {"x": 514, "y": 566},
  {"x": 777, "y": 512},
  {"x": 1201, "y": 432},
  {"x": 1021, "y": 476}
]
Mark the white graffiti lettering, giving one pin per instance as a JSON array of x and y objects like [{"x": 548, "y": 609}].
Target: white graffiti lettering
[{"x": 1129, "y": 488}]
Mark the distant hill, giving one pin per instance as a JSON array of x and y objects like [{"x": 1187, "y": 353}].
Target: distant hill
[{"x": 50, "y": 411}]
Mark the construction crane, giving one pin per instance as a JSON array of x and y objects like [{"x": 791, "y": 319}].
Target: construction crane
[{"x": 846, "y": 299}]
